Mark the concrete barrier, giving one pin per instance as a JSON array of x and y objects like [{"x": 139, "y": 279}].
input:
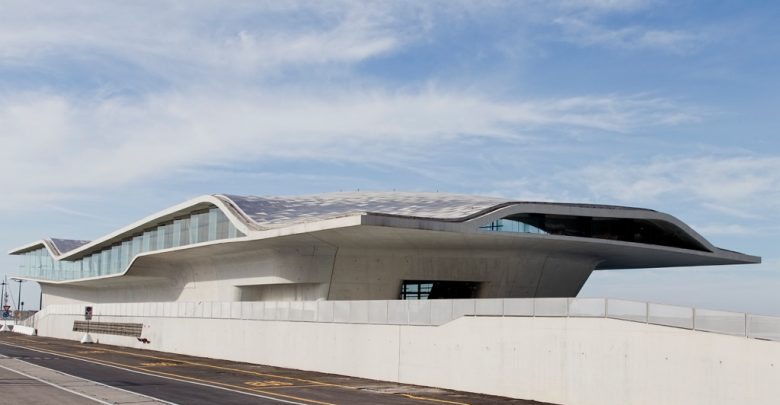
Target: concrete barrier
[
  {"x": 24, "y": 330},
  {"x": 557, "y": 359}
]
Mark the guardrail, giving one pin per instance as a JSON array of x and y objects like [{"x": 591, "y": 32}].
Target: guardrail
[{"x": 438, "y": 312}]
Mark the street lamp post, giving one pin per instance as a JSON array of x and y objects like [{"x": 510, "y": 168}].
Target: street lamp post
[
  {"x": 5, "y": 313},
  {"x": 19, "y": 298},
  {"x": 2, "y": 294}
]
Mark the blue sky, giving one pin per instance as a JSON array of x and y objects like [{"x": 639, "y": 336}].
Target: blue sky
[{"x": 110, "y": 111}]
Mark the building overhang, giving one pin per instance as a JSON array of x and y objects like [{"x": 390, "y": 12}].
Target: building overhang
[{"x": 371, "y": 233}]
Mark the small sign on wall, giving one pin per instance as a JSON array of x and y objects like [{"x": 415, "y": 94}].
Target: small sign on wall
[{"x": 87, "y": 313}]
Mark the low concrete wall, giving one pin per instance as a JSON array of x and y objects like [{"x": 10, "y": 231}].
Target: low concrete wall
[
  {"x": 560, "y": 360},
  {"x": 24, "y": 330}
]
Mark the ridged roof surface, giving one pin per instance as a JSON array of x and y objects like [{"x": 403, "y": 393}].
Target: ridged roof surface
[
  {"x": 278, "y": 211},
  {"x": 270, "y": 212},
  {"x": 66, "y": 245}
]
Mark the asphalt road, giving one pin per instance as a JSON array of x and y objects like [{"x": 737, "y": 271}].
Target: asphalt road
[{"x": 192, "y": 380}]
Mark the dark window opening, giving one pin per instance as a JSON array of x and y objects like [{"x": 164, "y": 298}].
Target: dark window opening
[
  {"x": 621, "y": 229},
  {"x": 430, "y": 290}
]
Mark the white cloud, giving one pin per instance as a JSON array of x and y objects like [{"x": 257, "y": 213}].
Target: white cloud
[
  {"x": 587, "y": 32},
  {"x": 606, "y": 5},
  {"x": 179, "y": 43},
  {"x": 224, "y": 96},
  {"x": 741, "y": 186},
  {"x": 54, "y": 145}
]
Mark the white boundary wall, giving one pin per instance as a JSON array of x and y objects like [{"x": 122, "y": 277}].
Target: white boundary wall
[{"x": 565, "y": 360}]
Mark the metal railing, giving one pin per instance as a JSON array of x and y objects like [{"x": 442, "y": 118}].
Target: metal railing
[{"x": 439, "y": 312}]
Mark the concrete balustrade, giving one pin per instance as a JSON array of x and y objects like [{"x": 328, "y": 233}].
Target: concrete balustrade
[
  {"x": 563, "y": 351},
  {"x": 439, "y": 312}
]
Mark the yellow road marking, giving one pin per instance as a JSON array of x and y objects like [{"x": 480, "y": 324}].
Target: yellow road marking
[
  {"x": 433, "y": 399},
  {"x": 268, "y": 383},
  {"x": 159, "y": 364},
  {"x": 314, "y": 382},
  {"x": 184, "y": 377}
]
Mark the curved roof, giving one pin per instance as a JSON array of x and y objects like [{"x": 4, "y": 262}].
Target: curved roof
[
  {"x": 275, "y": 212},
  {"x": 269, "y": 217}
]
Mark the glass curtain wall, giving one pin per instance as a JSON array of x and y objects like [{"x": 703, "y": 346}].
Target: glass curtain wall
[
  {"x": 510, "y": 225},
  {"x": 198, "y": 227}
]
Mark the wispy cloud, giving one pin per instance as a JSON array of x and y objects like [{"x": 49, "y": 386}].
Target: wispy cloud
[
  {"x": 63, "y": 145},
  {"x": 743, "y": 186},
  {"x": 236, "y": 40},
  {"x": 606, "y": 6},
  {"x": 633, "y": 37}
]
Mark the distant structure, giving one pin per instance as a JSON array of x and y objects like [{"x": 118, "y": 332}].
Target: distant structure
[{"x": 361, "y": 246}]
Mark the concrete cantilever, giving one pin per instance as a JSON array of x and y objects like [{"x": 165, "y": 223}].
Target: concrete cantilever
[{"x": 366, "y": 246}]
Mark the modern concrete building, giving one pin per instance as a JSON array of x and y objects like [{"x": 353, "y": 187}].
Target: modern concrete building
[
  {"x": 451, "y": 291},
  {"x": 361, "y": 246}
]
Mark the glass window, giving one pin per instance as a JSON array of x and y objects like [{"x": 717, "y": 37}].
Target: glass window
[
  {"x": 146, "y": 240},
  {"x": 176, "y": 233},
  {"x": 86, "y": 266},
  {"x": 136, "y": 248},
  {"x": 425, "y": 290},
  {"x": 213, "y": 223},
  {"x": 152, "y": 240},
  {"x": 167, "y": 235},
  {"x": 194, "y": 224},
  {"x": 115, "y": 259},
  {"x": 222, "y": 231},
  {"x": 510, "y": 225},
  {"x": 105, "y": 257},
  {"x": 203, "y": 227},
  {"x": 125, "y": 254},
  {"x": 160, "y": 238},
  {"x": 35, "y": 264},
  {"x": 184, "y": 231},
  {"x": 94, "y": 270},
  {"x": 415, "y": 290}
]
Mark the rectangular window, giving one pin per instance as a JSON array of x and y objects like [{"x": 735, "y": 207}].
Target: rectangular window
[
  {"x": 136, "y": 248},
  {"x": 160, "y": 237},
  {"x": 177, "y": 233},
  {"x": 95, "y": 265},
  {"x": 115, "y": 258},
  {"x": 203, "y": 227},
  {"x": 428, "y": 290},
  {"x": 104, "y": 262},
  {"x": 145, "y": 241},
  {"x": 152, "y": 240},
  {"x": 213, "y": 219},
  {"x": 222, "y": 225},
  {"x": 194, "y": 224},
  {"x": 168, "y": 235},
  {"x": 86, "y": 266},
  {"x": 125, "y": 255},
  {"x": 184, "y": 231}
]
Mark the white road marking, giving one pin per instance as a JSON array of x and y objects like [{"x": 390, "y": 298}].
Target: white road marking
[{"x": 161, "y": 376}]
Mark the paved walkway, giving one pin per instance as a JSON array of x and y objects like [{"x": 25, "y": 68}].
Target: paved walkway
[{"x": 25, "y": 383}]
